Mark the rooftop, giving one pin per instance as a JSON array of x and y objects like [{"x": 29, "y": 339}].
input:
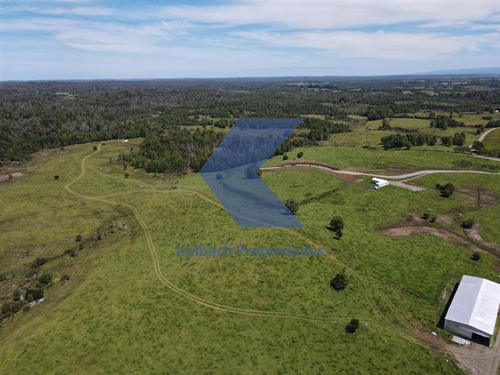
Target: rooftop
[{"x": 476, "y": 304}]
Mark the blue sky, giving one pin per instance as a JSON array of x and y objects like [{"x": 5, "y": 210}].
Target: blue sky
[{"x": 84, "y": 39}]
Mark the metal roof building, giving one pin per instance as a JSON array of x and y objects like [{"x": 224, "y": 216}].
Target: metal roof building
[
  {"x": 379, "y": 183},
  {"x": 474, "y": 309}
]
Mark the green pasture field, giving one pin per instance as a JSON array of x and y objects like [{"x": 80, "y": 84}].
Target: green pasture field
[
  {"x": 492, "y": 140},
  {"x": 379, "y": 160},
  {"x": 132, "y": 305}
]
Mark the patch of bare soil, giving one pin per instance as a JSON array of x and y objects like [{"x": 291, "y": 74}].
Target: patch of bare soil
[
  {"x": 474, "y": 359},
  {"x": 6, "y": 176},
  {"x": 445, "y": 220},
  {"x": 409, "y": 230},
  {"x": 477, "y": 359},
  {"x": 474, "y": 235},
  {"x": 436, "y": 345},
  {"x": 346, "y": 177},
  {"x": 476, "y": 196}
]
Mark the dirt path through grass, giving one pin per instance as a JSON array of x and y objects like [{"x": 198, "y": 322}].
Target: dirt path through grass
[{"x": 403, "y": 331}]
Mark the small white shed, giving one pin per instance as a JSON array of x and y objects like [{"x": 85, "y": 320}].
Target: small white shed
[{"x": 379, "y": 183}]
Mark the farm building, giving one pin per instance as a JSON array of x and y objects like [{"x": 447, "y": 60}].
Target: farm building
[
  {"x": 473, "y": 311},
  {"x": 379, "y": 183}
]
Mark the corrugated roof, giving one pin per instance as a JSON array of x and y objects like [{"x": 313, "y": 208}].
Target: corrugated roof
[{"x": 475, "y": 304}]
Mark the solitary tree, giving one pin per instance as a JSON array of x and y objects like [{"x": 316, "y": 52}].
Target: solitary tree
[
  {"x": 292, "y": 205},
  {"x": 340, "y": 281},
  {"x": 78, "y": 238},
  {"x": 285, "y": 157},
  {"x": 336, "y": 224},
  {"x": 353, "y": 326},
  {"x": 300, "y": 154},
  {"x": 95, "y": 148},
  {"x": 56, "y": 177},
  {"x": 446, "y": 190}
]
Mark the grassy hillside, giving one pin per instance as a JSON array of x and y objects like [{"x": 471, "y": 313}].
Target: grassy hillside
[
  {"x": 132, "y": 305},
  {"x": 492, "y": 140}
]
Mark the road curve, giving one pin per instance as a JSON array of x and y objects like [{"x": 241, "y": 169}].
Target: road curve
[
  {"x": 480, "y": 139},
  {"x": 482, "y": 136},
  {"x": 403, "y": 176}
]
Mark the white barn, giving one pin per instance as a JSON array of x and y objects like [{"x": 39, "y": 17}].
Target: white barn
[{"x": 473, "y": 312}]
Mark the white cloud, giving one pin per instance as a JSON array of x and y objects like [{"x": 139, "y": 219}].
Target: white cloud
[
  {"x": 60, "y": 10},
  {"x": 281, "y": 36},
  {"x": 317, "y": 14},
  {"x": 104, "y": 36},
  {"x": 395, "y": 46}
]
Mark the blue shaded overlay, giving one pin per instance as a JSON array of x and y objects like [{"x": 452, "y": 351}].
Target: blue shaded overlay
[{"x": 231, "y": 172}]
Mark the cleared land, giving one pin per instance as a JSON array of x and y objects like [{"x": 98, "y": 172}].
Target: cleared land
[{"x": 133, "y": 305}]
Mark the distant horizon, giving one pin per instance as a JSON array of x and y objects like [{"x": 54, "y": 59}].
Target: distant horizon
[{"x": 476, "y": 72}]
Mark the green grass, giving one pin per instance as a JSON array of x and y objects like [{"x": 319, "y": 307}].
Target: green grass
[
  {"x": 116, "y": 316},
  {"x": 492, "y": 140},
  {"x": 374, "y": 159}
]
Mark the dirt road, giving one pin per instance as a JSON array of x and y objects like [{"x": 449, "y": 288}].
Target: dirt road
[{"x": 401, "y": 177}]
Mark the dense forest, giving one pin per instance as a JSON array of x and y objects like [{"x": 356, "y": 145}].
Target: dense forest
[{"x": 37, "y": 115}]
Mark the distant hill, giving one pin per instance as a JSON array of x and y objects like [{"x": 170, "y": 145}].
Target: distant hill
[{"x": 477, "y": 71}]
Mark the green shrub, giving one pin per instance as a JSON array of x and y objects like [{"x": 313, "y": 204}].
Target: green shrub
[
  {"x": 340, "y": 281},
  {"x": 45, "y": 279},
  {"x": 468, "y": 224},
  {"x": 446, "y": 190},
  {"x": 352, "y": 326},
  {"x": 476, "y": 256},
  {"x": 336, "y": 224},
  {"x": 16, "y": 295}
]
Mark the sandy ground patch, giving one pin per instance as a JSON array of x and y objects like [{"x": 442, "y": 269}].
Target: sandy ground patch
[
  {"x": 476, "y": 196},
  {"x": 5, "y": 177},
  {"x": 409, "y": 230},
  {"x": 474, "y": 235}
]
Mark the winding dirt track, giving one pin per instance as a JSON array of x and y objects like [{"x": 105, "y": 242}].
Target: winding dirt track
[
  {"x": 483, "y": 136},
  {"x": 404, "y": 331},
  {"x": 404, "y": 176}
]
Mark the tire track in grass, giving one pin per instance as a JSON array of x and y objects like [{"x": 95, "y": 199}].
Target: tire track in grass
[{"x": 214, "y": 305}]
